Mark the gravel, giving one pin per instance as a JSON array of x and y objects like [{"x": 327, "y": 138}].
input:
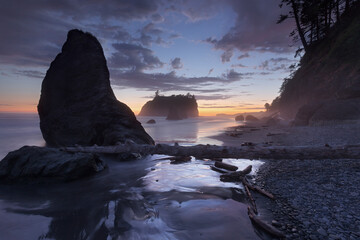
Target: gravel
[{"x": 315, "y": 199}]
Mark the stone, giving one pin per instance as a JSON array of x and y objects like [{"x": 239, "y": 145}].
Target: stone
[
  {"x": 151, "y": 121},
  {"x": 337, "y": 110},
  {"x": 251, "y": 118},
  {"x": 43, "y": 164},
  {"x": 304, "y": 114},
  {"x": 77, "y": 104},
  {"x": 239, "y": 118}
]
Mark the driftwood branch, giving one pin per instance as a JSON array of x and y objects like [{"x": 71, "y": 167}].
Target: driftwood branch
[
  {"x": 235, "y": 176},
  {"x": 263, "y": 225},
  {"x": 226, "y": 166},
  {"x": 213, "y": 151},
  {"x": 258, "y": 189}
]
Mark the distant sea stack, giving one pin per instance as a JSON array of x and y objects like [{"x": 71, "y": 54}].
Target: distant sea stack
[
  {"x": 77, "y": 104},
  {"x": 173, "y": 107}
]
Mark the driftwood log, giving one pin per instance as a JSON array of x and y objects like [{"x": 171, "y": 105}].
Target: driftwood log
[
  {"x": 213, "y": 151},
  {"x": 263, "y": 225},
  {"x": 226, "y": 166},
  {"x": 235, "y": 176},
  {"x": 258, "y": 189}
]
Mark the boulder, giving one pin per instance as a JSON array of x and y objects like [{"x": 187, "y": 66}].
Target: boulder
[
  {"x": 151, "y": 121},
  {"x": 239, "y": 118},
  {"x": 43, "y": 164},
  {"x": 304, "y": 114},
  {"x": 251, "y": 118},
  {"x": 77, "y": 104},
  {"x": 337, "y": 110}
]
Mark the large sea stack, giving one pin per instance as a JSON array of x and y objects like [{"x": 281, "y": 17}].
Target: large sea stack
[
  {"x": 77, "y": 104},
  {"x": 173, "y": 107}
]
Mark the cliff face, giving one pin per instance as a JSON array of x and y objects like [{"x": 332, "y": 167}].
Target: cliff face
[
  {"x": 77, "y": 104},
  {"x": 329, "y": 71},
  {"x": 183, "y": 106}
]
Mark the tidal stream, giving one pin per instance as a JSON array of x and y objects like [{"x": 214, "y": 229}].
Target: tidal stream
[{"x": 147, "y": 198}]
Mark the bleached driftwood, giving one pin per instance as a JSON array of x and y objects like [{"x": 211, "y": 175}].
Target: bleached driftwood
[{"x": 213, "y": 151}]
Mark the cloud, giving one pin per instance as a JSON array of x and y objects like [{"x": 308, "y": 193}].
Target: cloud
[
  {"x": 276, "y": 64},
  {"x": 156, "y": 17},
  {"x": 233, "y": 75},
  {"x": 238, "y": 65},
  {"x": 255, "y": 29},
  {"x": 245, "y": 55},
  {"x": 226, "y": 56},
  {"x": 174, "y": 35},
  {"x": 133, "y": 57},
  {"x": 210, "y": 71},
  {"x": 34, "y": 31},
  {"x": 168, "y": 81},
  {"x": 197, "y": 10},
  {"x": 213, "y": 97},
  {"x": 176, "y": 63},
  {"x": 30, "y": 73},
  {"x": 215, "y": 106}
]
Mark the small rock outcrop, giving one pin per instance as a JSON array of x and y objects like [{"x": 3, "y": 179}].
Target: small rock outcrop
[
  {"x": 43, "y": 164},
  {"x": 251, "y": 118},
  {"x": 77, "y": 104},
  {"x": 184, "y": 105},
  {"x": 151, "y": 121},
  {"x": 239, "y": 118}
]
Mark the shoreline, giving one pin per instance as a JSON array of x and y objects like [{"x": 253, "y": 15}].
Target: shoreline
[{"x": 315, "y": 199}]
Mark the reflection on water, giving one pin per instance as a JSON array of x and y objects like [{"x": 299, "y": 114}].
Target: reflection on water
[
  {"x": 188, "y": 131},
  {"x": 142, "y": 199},
  {"x": 131, "y": 200}
]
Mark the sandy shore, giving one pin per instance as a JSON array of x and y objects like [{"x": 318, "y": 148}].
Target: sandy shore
[
  {"x": 342, "y": 134},
  {"x": 315, "y": 199}
]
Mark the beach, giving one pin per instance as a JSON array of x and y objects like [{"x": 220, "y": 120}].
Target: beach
[{"x": 315, "y": 199}]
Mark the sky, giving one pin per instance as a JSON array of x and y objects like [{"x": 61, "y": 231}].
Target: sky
[{"x": 230, "y": 54}]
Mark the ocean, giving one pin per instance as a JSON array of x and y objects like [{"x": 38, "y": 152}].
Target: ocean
[{"x": 143, "y": 199}]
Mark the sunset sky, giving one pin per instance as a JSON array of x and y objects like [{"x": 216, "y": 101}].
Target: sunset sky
[{"x": 230, "y": 54}]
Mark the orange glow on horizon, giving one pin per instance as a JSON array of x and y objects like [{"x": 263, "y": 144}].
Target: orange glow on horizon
[
  {"x": 206, "y": 112},
  {"x": 18, "y": 109}
]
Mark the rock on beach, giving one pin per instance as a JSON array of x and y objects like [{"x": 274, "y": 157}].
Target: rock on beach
[
  {"x": 77, "y": 104},
  {"x": 43, "y": 164}
]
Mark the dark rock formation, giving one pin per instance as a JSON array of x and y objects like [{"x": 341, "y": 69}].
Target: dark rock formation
[
  {"x": 42, "y": 164},
  {"x": 185, "y": 106},
  {"x": 328, "y": 71},
  {"x": 304, "y": 114},
  {"x": 239, "y": 118},
  {"x": 328, "y": 111},
  {"x": 174, "y": 115},
  {"x": 151, "y": 121},
  {"x": 77, "y": 104},
  {"x": 251, "y": 118}
]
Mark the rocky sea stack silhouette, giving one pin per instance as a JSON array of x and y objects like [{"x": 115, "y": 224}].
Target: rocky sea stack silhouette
[
  {"x": 173, "y": 107},
  {"x": 77, "y": 104}
]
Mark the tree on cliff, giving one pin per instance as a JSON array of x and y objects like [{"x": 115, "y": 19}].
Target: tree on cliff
[{"x": 313, "y": 18}]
